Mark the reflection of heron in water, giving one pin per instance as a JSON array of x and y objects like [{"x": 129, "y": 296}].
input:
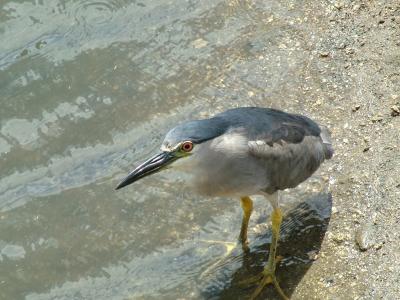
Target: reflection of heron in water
[{"x": 241, "y": 152}]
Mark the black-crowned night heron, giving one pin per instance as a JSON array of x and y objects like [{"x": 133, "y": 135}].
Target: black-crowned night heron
[{"x": 242, "y": 152}]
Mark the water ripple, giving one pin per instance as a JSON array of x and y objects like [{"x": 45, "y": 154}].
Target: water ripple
[{"x": 91, "y": 13}]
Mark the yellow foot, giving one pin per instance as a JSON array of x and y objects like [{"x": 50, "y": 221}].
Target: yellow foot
[{"x": 263, "y": 279}]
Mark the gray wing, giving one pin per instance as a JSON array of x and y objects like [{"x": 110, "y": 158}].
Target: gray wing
[
  {"x": 290, "y": 153},
  {"x": 286, "y": 132}
]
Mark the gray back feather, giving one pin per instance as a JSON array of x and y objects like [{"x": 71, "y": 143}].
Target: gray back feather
[
  {"x": 268, "y": 124},
  {"x": 271, "y": 125}
]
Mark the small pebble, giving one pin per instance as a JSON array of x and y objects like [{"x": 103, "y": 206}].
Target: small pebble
[
  {"x": 364, "y": 238},
  {"x": 324, "y": 54},
  {"x": 395, "y": 111},
  {"x": 339, "y": 238},
  {"x": 338, "y": 5},
  {"x": 376, "y": 118}
]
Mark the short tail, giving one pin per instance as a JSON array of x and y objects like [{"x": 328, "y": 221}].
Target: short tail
[{"x": 327, "y": 142}]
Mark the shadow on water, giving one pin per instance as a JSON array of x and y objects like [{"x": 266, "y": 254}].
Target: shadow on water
[{"x": 302, "y": 232}]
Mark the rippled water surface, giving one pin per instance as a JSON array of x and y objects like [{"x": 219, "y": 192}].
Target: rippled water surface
[{"x": 88, "y": 89}]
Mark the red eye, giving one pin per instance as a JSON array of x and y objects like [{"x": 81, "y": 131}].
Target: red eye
[{"x": 187, "y": 146}]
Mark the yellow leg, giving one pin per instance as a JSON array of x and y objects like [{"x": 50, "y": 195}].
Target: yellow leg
[
  {"x": 247, "y": 206},
  {"x": 268, "y": 275}
]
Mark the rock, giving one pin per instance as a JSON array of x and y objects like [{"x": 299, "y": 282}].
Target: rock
[
  {"x": 364, "y": 238},
  {"x": 339, "y": 237},
  {"x": 376, "y": 118},
  {"x": 356, "y": 107},
  {"x": 338, "y": 5},
  {"x": 312, "y": 255},
  {"x": 395, "y": 111},
  {"x": 324, "y": 54}
]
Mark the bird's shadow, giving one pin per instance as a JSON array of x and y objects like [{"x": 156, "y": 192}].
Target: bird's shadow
[{"x": 302, "y": 232}]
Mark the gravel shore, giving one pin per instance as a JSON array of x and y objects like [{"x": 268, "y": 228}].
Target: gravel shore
[{"x": 358, "y": 57}]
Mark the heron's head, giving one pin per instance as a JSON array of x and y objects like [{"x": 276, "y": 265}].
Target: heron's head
[{"x": 180, "y": 143}]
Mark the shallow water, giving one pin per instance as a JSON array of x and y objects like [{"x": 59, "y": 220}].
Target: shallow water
[{"x": 87, "y": 90}]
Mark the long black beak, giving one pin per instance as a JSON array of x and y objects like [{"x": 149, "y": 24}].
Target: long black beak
[{"x": 150, "y": 166}]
